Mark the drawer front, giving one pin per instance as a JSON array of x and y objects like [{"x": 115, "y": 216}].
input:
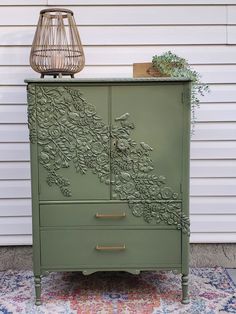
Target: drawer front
[
  {"x": 107, "y": 249},
  {"x": 89, "y": 214}
]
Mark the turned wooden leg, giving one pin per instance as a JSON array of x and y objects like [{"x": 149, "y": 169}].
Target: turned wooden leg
[
  {"x": 37, "y": 284},
  {"x": 185, "y": 298}
]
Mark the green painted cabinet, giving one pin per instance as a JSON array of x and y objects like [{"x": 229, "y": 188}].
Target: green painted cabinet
[{"x": 110, "y": 175}]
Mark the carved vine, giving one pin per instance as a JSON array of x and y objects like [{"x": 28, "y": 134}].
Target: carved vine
[
  {"x": 71, "y": 132},
  {"x": 132, "y": 170},
  {"x": 32, "y": 113}
]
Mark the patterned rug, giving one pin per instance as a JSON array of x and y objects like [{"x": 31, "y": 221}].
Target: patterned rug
[{"x": 211, "y": 291}]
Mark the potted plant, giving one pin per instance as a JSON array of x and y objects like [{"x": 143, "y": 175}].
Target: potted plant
[{"x": 169, "y": 64}]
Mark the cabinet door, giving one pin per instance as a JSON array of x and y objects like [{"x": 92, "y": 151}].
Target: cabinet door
[
  {"x": 147, "y": 141},
  {"x": 73, "y": 142}
]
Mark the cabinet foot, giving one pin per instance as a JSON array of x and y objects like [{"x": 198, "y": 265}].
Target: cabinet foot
[
  {"x": 37, "y": 284},
  {"x": 185, "y": 297},
  {"x": 134, "y": 272}
]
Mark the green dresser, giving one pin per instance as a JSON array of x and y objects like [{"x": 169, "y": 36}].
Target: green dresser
[{"x": 110, "y": 175}]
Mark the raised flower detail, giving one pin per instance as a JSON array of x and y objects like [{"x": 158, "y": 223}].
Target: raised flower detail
[
  {"x": 43, "y": 134},
  {"x": 125, "y": 176},
  {"x": 137, "y": 210},
  {"x": 97, "y": 147},
  {"x": 145, "y": 164},
  {"x": 44, "y": 157},
  {"x": 82, "y": 144},
  {"x": 153, "y": 190},
  {"x": 122, "y": 144},
  {"x": 166, "y": 193},
  {"x": 129, "y": 187},
  {"x": 103, "y": 159},
  {"x": 74, "y": 117},
  {"x": 70, "y": 133},
  {"x": 90, "y": 110},
  {"x": 54, "y": 131}
]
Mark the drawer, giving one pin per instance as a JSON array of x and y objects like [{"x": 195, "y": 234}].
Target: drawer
[
  {"x": 107, "y": 249},
  {"x": 89, "y": 214}
]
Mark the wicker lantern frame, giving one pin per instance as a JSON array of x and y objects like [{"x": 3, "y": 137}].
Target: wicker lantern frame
[{"x": 57, "y": 49}]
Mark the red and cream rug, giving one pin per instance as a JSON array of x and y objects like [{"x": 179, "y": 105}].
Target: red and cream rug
[{"x": 211, "y": 291}]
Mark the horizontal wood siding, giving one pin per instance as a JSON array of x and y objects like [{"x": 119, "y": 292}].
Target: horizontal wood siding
[{"x": 116, "y": 34}]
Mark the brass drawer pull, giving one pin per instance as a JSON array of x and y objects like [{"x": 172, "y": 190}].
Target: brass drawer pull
[
  {"x": 110, "y": 248},
  {"x": 111, "y": 216}
]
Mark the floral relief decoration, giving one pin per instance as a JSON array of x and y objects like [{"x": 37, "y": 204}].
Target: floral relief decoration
[{"x": 69, "y": 131}]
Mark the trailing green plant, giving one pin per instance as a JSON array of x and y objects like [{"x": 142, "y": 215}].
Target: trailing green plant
[{"x": 169, "y": 64}]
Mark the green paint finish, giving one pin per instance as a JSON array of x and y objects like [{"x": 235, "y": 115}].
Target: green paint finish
[
  {"x": 73, "y": 139},
  {"x": 64, "y": 248},
  {"x": 107, "y": 81},
  {"x": 95, "y": 143},
  {"x": 135, "y": 166},
  {"x": 157, "y": 115},
  {"x": 185, "y": 188},
  {"x": 71, "y": 133},
  {"x": 100, "y": 214}
]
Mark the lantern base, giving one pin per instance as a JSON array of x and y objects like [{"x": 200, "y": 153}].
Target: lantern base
[{"x": 55, "y": 75}]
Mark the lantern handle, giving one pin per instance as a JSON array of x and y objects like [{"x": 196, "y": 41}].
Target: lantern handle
[{"x": 56, "y": 10}]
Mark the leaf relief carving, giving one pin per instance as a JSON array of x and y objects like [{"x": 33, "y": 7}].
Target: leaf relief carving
[
  {"x": 69, "y": 131},
  {"x": 133, "y": 179}
]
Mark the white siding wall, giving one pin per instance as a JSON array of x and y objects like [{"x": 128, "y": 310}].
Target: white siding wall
[{"x": 116, "y": 34}]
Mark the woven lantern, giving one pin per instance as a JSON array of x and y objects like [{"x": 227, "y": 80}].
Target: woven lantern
[{"x": 57, "y": 48}]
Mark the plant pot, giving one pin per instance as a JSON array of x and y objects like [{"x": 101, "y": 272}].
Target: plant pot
[{"x": 145, "y": 69}]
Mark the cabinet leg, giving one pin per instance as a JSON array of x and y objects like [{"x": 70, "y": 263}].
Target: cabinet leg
[
  {"x": 185, "y": 297},
  {"x": 37, "y": 284}
]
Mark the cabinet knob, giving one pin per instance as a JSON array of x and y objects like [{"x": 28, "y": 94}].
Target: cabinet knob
[{"x": 114, "y": 143}]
